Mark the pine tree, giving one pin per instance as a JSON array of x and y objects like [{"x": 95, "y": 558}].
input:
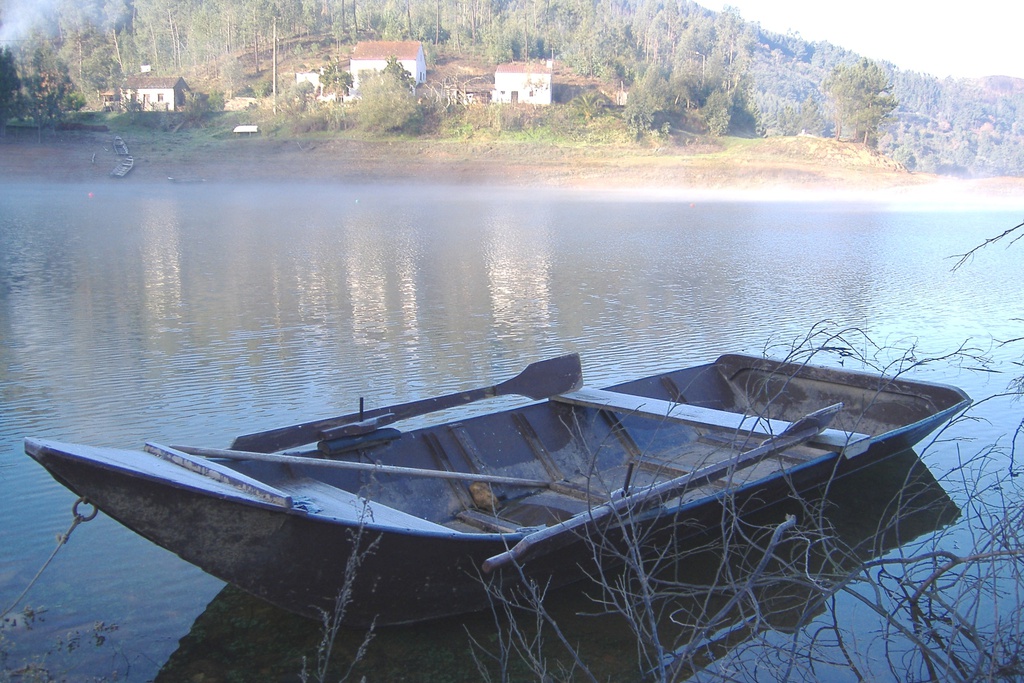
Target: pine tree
[
  {"x": 10, "y": 85},
  {"x": 862, "y": 95}
]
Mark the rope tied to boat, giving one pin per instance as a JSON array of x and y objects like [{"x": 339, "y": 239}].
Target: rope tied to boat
[{"x": 79, "y": 518}]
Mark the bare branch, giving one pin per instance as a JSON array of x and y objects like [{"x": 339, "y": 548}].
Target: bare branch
[{"x": 964, "y": 258}]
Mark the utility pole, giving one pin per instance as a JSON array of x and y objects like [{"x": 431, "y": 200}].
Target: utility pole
[{"x": 275, "y": 66}]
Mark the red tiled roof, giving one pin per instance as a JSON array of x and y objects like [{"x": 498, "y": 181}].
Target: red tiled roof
[{"x": 401, "y": 49}]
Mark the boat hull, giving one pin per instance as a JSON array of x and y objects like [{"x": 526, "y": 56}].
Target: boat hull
[
  {"x": 397, "y": 570},
  {"x": 397, "y": 576}
]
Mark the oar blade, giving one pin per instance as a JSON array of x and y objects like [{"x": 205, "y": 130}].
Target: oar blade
[
  {"x": 545, "y": 378},
  {"x": 538, "y": 381}
]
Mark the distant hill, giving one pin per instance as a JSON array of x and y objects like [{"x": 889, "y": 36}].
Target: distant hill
[{"x": 961, "y": 127}]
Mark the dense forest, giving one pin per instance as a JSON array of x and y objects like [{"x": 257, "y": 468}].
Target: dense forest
[{"x": 688, "y": 70}]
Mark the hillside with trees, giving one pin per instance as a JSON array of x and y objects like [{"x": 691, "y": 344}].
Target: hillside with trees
[
  {"x": 690, "y": 73},
  {"x": 964, "y": 127}
]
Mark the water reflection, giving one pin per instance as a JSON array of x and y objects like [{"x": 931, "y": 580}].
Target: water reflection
[
  {"x": 518, "y": 266},
  {"x": 161, "y": 293},
  {"x": 873, "y": 511}
]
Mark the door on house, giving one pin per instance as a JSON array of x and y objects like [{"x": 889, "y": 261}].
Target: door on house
[{"x": 515, "y": 97}]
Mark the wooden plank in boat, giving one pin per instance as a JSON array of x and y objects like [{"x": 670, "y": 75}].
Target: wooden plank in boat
[
  {"x": 486, "y": 522},
  {"x": 220, "y": 473},
  {"x": 849, "y": 444},
  {"x": 591, "y": 493}
]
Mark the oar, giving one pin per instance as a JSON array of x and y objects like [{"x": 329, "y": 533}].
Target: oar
[
  {"x": 539, "y": 380},
  {"x": 361, "y": 466},
  {"x": 553, "y": 537}
]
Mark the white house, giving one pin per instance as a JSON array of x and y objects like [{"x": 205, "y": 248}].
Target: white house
[
  {"x": 156, "y": 94},
  {"x": 374, "y": 55},
  {"x": 527, "y": 83},
  {"x": 313, "y": 78}
]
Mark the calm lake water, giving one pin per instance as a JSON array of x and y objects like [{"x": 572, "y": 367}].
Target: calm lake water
[{"x": 193, "y": 313}]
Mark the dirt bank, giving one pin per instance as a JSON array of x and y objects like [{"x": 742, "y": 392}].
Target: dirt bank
[{"x": 771, "y": 168}]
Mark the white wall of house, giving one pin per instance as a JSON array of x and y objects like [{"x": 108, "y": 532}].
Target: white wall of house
[
  {"x": 155, "y": 94},
  {"x": 522, "y": 84},
  {"x": 374, "y": 57},
  {"x": 156, "y": 99},
  {"x": 311, "y": 77}
]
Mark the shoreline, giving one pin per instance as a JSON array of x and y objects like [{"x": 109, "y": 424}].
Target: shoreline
[{"x": 638, "y": 173}]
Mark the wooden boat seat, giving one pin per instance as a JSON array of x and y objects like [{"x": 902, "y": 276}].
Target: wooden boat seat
[{"x": 849, "y": 444}]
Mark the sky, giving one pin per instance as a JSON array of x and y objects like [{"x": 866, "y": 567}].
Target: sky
[{"x": 962, "y": 39}]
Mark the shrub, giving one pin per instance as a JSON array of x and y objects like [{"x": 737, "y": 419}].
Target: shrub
[{"x": 387, "y": 105}]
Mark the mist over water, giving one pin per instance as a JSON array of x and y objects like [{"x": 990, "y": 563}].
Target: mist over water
[{"x": 192, "y": 314}]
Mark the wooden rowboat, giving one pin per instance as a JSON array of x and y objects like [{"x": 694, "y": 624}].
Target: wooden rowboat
[
  {"x": 414, "y": 525},
  {"x": 124, "y": 165}
]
